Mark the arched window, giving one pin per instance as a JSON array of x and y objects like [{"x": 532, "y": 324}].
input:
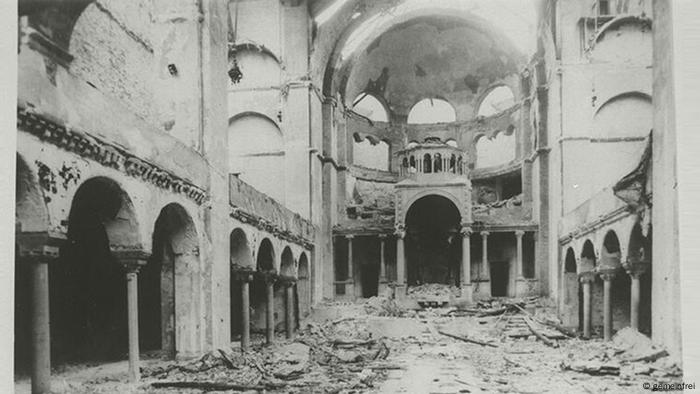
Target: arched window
[
  {"x": 497, "y": 100},
  {"x": 460, "y": 170},
  {"x": 256, "y": 150},
  {"x": 427, "y": 164},
  {"x": 452, "y": 164},
  {"x": 438, "y": 163},
  {"x": 412, "y": 164},
  {"x": 370, "y": 107},
  {"x": 429, "y": 111}
]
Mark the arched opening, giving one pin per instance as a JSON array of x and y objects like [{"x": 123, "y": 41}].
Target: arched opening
[
  {"x": 265, "y": 264},
  {"x": 168, "y": 286},
  {"x": 433, "y": 247},
  {"x": 497, "y": 100},
  {"x": 588, "y": 264},
  {"x": 241, "y": 259},
  {"x": 287, "y": 270},
  {"x": 303, "y": 288},
  {"x": 370, "y": 107},
  {"x": 427, "y": 164},
  {"x": 88, "y": 285},
  {"x": 610, "y": 258},
  {"x": 430, "y": 111},
  {"x": 570, "y": 290},
  {"x": 256, "y": 149},
  {"x": 640, "y": 254}
]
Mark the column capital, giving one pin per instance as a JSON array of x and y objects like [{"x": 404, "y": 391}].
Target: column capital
[
  {"x": 131, "y": 258},
  {"x": 586, "y": 277},
  {"x": 349, "y": 236},
  {"x": 382, "y": 236},
  {"x": 485, "y": 233},
  {"x": 607, "y": 274},
  {"x": 466, "y": 231},
  {"x": 519, "y": 233},
  {"x": 400, "y": 230},
  {"x": 242, "y": 275},
  {"x": 41, "y": 247}
]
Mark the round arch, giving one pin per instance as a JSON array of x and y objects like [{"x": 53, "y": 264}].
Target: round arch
[
  {"x": 371, "y": 107},
  {"x": 287, "y": 263},
  {"x": 169, "y": 285},
  {"x": 432, "y": 111},
  {"x": 303, "y": 287},
  {"x": 496, "y": 99},
  {"x": 610, "y": 251},
  {"x": 588, "y": 257},
  {"x": 240, "y": 254},
  {"x": 433, "y": 247},
  {"x": 265, "y": 258},
  {"x": 436, "y": 192},
  {"x": 570, "y": 297}
]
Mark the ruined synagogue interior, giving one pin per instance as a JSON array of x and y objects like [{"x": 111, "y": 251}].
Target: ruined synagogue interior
[{"x": 294, "y": 196}]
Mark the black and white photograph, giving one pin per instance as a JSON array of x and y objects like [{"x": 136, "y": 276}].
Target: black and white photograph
[{"x": 350, "y": 196}]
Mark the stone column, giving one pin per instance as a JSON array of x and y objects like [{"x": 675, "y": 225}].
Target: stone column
[
  {"x": 400, "y": 258},
  {"x": 350, "y": 282},
  {"x": 521, "y": 287},
  {"x": 39, "y": 250},
  {"x": 289, "y": 298},
  {"x": 519, "y": 249},
  {"x": 382, "y": 265},
  {"x": 607, "y": 276},
  {"x": 586, "y": 279},
  {"x": 485, "y": 274},
  {"x": 466, "y": 279},
  {"x": 634, "y": 300},
  {"x": 270, "y": 310},
  {"x": 245, "y": 311},
  {"x": 132, "y": 261}
]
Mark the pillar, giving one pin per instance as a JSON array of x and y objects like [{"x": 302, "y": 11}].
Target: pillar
[
  {"x": 133, "y": 316},
  {"x": 586, "y": 278},
  {"x": 270, "y": 311},
  {"x": 382, "y": 265},
  {"x": 485, "y": 274},
  {"x": 41, "y": 335},
  {"x": 519, "y": 255},
  {"x": 466, "y": 263},
  {"x": 350, "y": 282},
  {"x": 245, "y": 312},
  {"x": 132, "y": 261},
  {"x": 289, "y": 297},
  {"x": 400, "y": 258},
  {"x": 607, "y": 277},
  {"x": 634, "y": 300}
]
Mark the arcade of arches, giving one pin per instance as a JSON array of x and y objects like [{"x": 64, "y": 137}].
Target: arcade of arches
[{"x": 200, "y": 175}]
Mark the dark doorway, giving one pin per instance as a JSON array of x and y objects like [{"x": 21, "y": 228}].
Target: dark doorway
[
  {"x": 369, "y": 275},
  {"x": 433, "y": 245},
  {"x": 499, "y": 278}
]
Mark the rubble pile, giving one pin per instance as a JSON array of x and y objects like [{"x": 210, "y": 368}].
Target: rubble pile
[
  {"x": 383, "y": 306},
  {"x": 330, "y": 357},
  {"x": 430, "y": 290},
  {"x": 630, "y": 353}
]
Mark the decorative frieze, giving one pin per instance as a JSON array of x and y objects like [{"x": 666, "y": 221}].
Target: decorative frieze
[
  {"x": 105, "y": 153},
  {"x": 265, "y": 225}
]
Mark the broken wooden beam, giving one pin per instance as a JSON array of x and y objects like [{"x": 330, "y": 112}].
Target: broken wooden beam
[
  {"x": 538, "y": 334},
  {"x": 465, "y": 339},
  {"x": 215, "y": 386}
]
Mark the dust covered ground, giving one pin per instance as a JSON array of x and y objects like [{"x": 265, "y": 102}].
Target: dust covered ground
[{"x": 374, "y": 346}]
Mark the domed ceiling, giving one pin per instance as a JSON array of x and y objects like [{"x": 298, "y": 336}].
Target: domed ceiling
[{"x": 426, "y": 57}]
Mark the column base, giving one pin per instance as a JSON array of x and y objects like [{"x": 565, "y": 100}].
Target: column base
[
  {"x": 481, "y": 289},
  {"x": 525, "y": 287},
  {"x": 466, "y": 298},
  {"x": 384, "y": 290}
]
